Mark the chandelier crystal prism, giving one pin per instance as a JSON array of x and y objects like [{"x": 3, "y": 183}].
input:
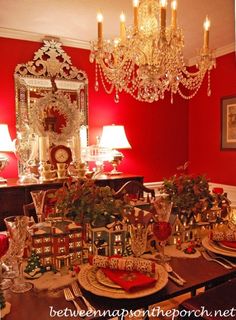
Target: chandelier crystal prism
[{"x": 146, "y": 60}]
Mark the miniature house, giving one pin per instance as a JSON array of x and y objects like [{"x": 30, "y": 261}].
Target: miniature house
[{"x": 57, "y": 243}]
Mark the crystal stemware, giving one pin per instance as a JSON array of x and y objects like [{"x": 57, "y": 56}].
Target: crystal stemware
[
  {"x": 37, "y": 196},
  {"x": 17, "y": 227},
  {"x": 138, "y": 236},
  {"x": 4, "y": 245},
  {"x": 162, "y": 227}
]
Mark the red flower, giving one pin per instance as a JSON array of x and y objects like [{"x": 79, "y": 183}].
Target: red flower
[
  {"x": 218, "y": 190},
  {"x": 4, "y": 244}
]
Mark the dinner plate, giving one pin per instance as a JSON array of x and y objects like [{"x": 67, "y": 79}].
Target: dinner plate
[
  {"x": 88, "y": 280},
  {"x": 103, "y": 279},
  {"x": 220, "y": 244},
  {"x": 213, "y": 247}
]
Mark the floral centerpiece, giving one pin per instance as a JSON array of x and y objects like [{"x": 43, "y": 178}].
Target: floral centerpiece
[
  {"x": 83, "y": 201},
  {"x": 190, "y": 194}
]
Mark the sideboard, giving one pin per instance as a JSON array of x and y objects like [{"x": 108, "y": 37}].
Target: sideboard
[{"x": 13, "y": 195}]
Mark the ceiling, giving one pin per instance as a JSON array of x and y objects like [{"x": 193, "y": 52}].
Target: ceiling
[{"x": 75, "y": 20}]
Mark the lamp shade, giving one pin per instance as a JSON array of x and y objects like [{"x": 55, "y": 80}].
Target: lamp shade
[
  {"x": 6, "y": 144},
  {"x": 114, "y": 137}
]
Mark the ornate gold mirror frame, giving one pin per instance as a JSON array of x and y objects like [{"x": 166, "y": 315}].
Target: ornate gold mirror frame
[{"x": 51, "y": 102}]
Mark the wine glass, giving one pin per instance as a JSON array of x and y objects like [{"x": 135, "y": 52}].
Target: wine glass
[
  {"x": 37, "y": 196},
  {"x": 4, "y": 245},
  {"x": 138, "y": 236},
  {"x": 17, "y": 227},
  {"x": 162, "y": 227}
]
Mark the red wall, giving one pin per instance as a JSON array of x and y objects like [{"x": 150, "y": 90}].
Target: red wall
[
  {"x": 205, "y": 152},
  {"x": 158, "y": 132}
]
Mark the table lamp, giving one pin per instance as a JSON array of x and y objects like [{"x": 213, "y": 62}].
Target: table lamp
[
  {"x": 114, "y": 137},
  {"x": 6, "y": 145}
]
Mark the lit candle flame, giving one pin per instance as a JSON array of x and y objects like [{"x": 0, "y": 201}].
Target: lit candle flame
[
  {"x": 207, "y": 24},
  {"x": 122, "y": 17},
  {"x": 163, "y": 3},
  {"x": 174, "y": 5},
  {"x": 99, "y": 17}
]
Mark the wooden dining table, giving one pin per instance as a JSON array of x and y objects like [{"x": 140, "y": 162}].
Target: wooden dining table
[{"x": 45, "y": 305}]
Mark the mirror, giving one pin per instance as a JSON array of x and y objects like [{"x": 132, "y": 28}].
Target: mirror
[{"x": 51, "y": 102}]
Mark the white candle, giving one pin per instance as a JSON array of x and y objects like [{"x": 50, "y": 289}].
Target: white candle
[
  {"x": 163, "y": 13},
  {"x": 122, "y": 27},
  {"x": 135, "y": 4},
  {"x": 173, "y": 14},
  {"x": 43, "y": 148},
  {"x": 100, "y": 31},
  {"x": 206, "y": 34},
  {"x": 76, "y": 145}
]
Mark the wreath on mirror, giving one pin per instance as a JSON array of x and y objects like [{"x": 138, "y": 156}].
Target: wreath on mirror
[{"x": 43, "y": 116}]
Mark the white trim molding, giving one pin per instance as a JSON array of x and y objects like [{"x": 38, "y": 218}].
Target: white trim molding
[
  {"x": 33, "y": 36},
  {"x": 38, "y": 37},
  {"x": 218, "y": 53}
]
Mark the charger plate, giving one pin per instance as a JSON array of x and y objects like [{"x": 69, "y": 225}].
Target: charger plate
[
  {"x": 214, "y": 247},
  {"x": 88, "y": 280}
]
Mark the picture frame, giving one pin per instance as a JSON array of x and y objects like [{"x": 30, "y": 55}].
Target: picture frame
[{"x": 228, "y": 123}]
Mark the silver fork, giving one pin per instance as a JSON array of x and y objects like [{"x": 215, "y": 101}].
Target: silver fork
[
  {"x": 208, "y": 258},
  {"x": 70, "y": 297},
  {"x": 77, "y": 292},
  {"x": 213, "y": 255}
]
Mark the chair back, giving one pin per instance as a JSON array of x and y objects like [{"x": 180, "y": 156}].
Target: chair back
[{"x": 134, "y": 189}]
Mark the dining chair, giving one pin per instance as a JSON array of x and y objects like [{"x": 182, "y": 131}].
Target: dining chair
[
  {"x": 134, "y": 190},
  {"x": 215, "y": 301},
  {"x": 30, "y": 211}
]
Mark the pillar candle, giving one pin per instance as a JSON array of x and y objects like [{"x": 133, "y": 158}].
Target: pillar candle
[{"x": 43, "y": 148}]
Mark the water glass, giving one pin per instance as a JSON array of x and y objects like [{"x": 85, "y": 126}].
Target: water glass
[{"x": 17, "y": 227}]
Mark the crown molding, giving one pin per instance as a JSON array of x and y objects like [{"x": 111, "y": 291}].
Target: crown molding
[
  {"x": 218, "y": 53},
  {"x": 33, "y": 36}
]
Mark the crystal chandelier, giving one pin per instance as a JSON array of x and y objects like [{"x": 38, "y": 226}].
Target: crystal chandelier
[{"x": 147, "y": 59}]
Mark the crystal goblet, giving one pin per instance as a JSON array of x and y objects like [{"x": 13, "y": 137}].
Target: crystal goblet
[
  {"x": 17, "y": 227},
  {"x": 138, "y": 236},
  {"x": 37, "y": 196},
  {"x": 4, "y": 245},
  {"x": 162, "y": 227}
]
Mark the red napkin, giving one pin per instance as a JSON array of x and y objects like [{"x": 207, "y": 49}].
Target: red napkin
[
  {"x": 230, "y": 244},
  {"x": 129, "y": 280}
]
